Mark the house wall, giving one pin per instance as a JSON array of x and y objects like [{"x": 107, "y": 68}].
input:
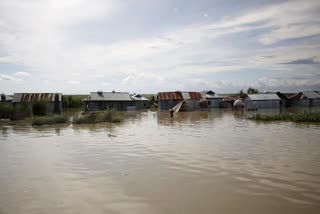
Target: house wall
[
  {"x": 193, "y": 104},
  {"x": 167, "y": 104},
  {"x": 214, "y": 102},
  {"x": 104, "y": 105},
  {"x": 49, "y": 109},
  {"x": 300, "y": 103},
  {"x": 142, "y": 104},
  {"x": 315, "y": 103},
  {"x": 250, "y": 104}
]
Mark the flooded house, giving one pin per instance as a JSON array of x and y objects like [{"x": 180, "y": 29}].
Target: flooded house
[
  {"x": 186, "y": 100},
  {"x": 140, "y": 102},
  {"x": 99, "y": 100},
  {"x": 260, "y": 101},
  {"x": 213, "y": 100},
  {"x": 53, "y": 101},
  {"x": 305, "y": 99}
]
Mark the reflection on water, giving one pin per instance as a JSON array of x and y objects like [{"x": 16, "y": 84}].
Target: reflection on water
[{"x": 213, "y": 161}]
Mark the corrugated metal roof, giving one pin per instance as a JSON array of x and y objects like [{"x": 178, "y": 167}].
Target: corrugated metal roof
[
  {"x": 31, "y": 97},
  {"x": 311, "y": 95},
  {"x": 210, "y": 92},
  {"x": 186, "y": 95},
  {"x": 138, "y": 97},
  {"x": 109, "y": 96},
  {"x": 177, "y": 95},
  {"x": 264, "y": 97},
  {"x": 195, "y": 95}
]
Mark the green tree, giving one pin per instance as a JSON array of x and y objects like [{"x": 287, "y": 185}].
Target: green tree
[
  {"x": 242, "y": 94},
  {"x": 252, "y": 90}
]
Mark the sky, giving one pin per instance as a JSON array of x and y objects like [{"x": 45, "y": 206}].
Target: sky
[{"x": 146, "y": 46}]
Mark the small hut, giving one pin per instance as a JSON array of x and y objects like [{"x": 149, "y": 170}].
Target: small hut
[
  {"x": 140, "y": 102},
  {"x": 168, "y": 100},
  {"x": 52, "y": 101},
  {"x": 305, "y": 99},
  {"x": 99, "y": 100},
  {"x": 214, "y": 101},
  {"x": 258, "y": 101}
]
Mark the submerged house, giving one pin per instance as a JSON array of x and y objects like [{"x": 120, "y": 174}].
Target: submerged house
[
  {"x": 188, "y": 100},
  {"x": 53, "y": 101},
  {"x": 120, "y": 101},
  {"x": 258, "y": 101},
  {"x": 305, "y": 99},
  {"x": 140, "y": 102},
  {"x": 213, "y": 100}
]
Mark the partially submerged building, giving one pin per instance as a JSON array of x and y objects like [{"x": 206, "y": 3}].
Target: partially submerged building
[
  {"x": 140, "y": 102},
  {"x": 258, "y": 101},
  {"x": 96, "y": 101},
  {"x": 53, "y": 101},
  {"x": 213, "y": 100},
  {"x": 305, "y": 99},
  {"x": 188, "y": 100}
]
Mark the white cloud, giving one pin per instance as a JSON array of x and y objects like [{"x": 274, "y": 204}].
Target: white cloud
[
  {"x": 38, "y": 35},
  {"x": 22, "y": 73},
  {"x": 73, "y": 82},
  {"x": 8, "y": 77}
]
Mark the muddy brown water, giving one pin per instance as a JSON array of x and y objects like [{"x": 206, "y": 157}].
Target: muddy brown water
[{"x": 197, "y": 162}]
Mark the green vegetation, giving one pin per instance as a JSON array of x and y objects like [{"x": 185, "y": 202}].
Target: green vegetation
[
  {"x": 72, "y": 101},
  {"x": 47, "y": 120},
  {"x": 242, "y": 94},
  {"x": 252, "y": 91},
  {"x": 39, "y": 108},
  {"x": 98, "y": 117},
  {"x": 6, "y": 110},
  {"x": 292, "y": 117}
]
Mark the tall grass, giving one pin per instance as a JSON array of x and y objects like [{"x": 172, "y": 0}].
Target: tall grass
[
  {"x": 47, "y": 120},
  {"x": 292, "y": 117},
  {"x": 98, "y": 117}
]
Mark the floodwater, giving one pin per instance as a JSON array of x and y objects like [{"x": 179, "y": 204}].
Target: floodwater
[{"x": 197, "y": 162}]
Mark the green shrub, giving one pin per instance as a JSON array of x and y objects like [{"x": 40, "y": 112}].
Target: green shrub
[
  {"x": 47, "y": 120},
  {"x": 72, "y": 101},
  {"x": 293, "y": 117},
  {"x": 98, "y": 117},
  {"x": 6, "y": 110},
  {"x": 39, "y": 108}
]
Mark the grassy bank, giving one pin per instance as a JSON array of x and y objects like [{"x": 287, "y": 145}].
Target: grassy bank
[
  {"x": 98, "y": 117},
  {"x": 291, "y": 117}
]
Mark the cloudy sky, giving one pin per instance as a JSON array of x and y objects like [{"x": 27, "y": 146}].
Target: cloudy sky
[{"x": 145, "y": 46}]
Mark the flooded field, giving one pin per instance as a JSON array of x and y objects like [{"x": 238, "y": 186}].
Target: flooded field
[{"x": 197, "y": 162}]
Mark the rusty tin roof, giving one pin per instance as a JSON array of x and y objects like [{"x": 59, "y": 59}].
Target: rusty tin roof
[{"x": 31, "y": 97}]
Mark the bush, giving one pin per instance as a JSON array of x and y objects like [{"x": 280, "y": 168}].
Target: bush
[
  {"x": 39, "y": 108},
  {"x": 293, "y": 117},
  {"x": 47, "y": 120},
  {"x": 6, "y": 110},
  {"x": 72, "y": 101},
  {"x": 98, "y": 117}
]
